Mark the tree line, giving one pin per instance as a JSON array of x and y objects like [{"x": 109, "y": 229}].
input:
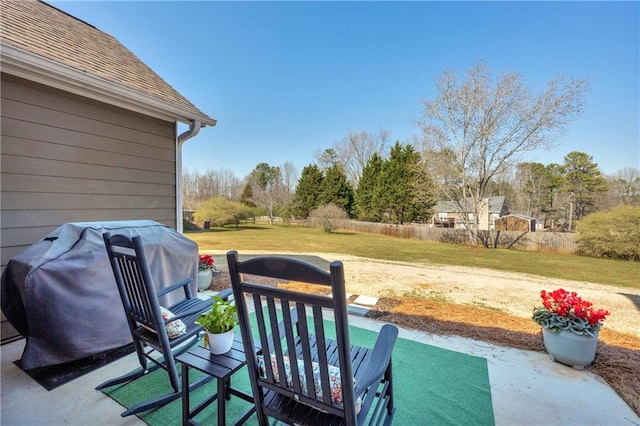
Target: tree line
[{"x": 473, "y": 133}]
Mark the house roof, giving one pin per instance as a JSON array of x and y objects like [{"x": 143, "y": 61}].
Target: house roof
[
  {"x": 44, "y": 44},
  {"x": 445, "y": 207},
  {"x": 495, "y": 205}
]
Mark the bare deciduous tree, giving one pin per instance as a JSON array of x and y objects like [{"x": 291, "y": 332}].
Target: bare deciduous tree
[
  {"x": 268, "y": 189},
  {"x": 289, "y": 176},
  {"x": 198, "y": 186},
  {"x": 475, "y": 129},
  {"x": 626, "y": 186},
  {"x": 353, "y": 152}
]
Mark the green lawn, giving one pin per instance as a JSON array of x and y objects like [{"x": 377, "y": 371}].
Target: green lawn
[{"x": 301, "y": 239}]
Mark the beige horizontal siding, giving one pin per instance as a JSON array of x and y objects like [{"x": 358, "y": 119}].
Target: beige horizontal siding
[
  {"x": 44, "y": 167},
  {"x": 48, "y": 218},
  {"x": 68, "y": 137},
  {"x": 66, "y": 159},
  {"x": 57, "y": 201},
  {"x": 33, "y": 183},
  {"x": 30, "y": 148},
  {"x": 14, "y": 89}
]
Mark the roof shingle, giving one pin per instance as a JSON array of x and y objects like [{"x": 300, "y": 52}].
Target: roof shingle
[{"x": 46, "y": 31}]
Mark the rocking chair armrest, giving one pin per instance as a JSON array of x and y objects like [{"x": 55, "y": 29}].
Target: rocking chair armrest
[
  {"x": 224, "y": 294},
  {"x": 172, "y": 287},
  {"x": 379, "y": 358}
]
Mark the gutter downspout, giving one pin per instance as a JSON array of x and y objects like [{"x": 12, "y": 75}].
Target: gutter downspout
[{"x": 194, "y": 128}]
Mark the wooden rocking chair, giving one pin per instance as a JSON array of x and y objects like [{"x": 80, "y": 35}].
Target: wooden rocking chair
[
  {"x": 302, "y": 375},
  {"x": 145, "y": 318}
]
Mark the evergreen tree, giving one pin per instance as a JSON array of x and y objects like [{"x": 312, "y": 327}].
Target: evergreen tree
[
  {"x": 247, "y": 195},
  {"x": 365, "y": 195},
  {"x": 536, "y": 187},
  {"x": 403, "y": 193},
  {"x": 423, "y": 190},
  {"x": 306, "y": 197},
  {"x": 327, "y": 159},
  {"x": 336, "y": 189},
  {"x": 266, "y": 175},
  {"x": 581, "y": 180}
]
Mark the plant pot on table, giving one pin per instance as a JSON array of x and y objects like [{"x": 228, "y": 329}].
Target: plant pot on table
[{"x": 220, "y": 343}]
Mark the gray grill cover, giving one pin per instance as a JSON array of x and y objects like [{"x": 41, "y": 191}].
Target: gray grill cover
[{"x": 61, "y": 295}]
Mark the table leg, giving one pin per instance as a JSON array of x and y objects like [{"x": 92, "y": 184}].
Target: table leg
[
  {"x": 221, "y": 402},
  {"x": 185, "y": 394}
]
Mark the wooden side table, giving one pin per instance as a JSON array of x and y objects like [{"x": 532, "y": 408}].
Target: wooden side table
[{"x": 221, "y": 367}]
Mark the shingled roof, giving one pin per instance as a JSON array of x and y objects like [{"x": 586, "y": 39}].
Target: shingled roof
[
  {"x": 36, "y": 28},
  {"x": 496, "y": 204}
]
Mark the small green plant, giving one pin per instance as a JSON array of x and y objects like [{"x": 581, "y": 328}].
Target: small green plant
[{"x": 221, "y": 318}]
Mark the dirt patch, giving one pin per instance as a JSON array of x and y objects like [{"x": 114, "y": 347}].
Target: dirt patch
[
  {"x": 512, "y": 293},
  {"x": 489, "y": 305},
  {"x": 222, "y": 280}
]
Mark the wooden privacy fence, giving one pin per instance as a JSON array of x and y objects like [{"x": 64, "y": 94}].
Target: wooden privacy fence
[{"x": 558, "y": 242}]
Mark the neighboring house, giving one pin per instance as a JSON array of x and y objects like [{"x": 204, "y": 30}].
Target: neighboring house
[
  {"x": 89, "y": 132},
  {"x": 447, "y": 214}
]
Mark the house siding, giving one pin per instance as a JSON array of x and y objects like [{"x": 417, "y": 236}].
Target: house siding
[
  {"x": 67, "y": 159},
  {"x": 489, "y": 210}
]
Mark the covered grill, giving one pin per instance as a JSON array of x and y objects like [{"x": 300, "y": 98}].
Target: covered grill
[{"x": 61, "y": 295}]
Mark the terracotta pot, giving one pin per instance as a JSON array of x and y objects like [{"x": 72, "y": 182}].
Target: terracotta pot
[
  {"x": 204, "y": 279},
  {"x": 220, "y": 343},
  {"x": 570, "y": 348}
]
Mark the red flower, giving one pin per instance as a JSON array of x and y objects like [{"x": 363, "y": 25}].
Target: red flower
[
  {"x": 568, "y": 304},
  {"x": 597, "y": 316},
  {"x": 205, "y": 262}
]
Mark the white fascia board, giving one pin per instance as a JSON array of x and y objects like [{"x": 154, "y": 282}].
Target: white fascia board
[{"x": 41, "y": 70}]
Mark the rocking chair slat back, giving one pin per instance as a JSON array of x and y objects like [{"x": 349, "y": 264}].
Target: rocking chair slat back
[
  {"x": 306, "y": 368},
  {"x": 144, "y": 316}
]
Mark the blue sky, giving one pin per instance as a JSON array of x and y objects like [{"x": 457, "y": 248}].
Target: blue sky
[{"x": 287, "y": 79}]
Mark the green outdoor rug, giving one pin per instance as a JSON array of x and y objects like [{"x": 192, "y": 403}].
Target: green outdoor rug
[{"x": 431, "y": 386}]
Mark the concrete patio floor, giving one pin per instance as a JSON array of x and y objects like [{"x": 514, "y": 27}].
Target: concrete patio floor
[{"x": 527, "y": 388}]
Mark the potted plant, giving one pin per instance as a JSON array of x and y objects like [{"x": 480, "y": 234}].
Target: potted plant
[
  {"x": 219, "y": 324},
  {"x": 570, "y": 327},
  {"x": 205, "y": 271}
]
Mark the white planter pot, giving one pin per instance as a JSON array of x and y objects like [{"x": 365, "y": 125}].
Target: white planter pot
[
  {"x": 204, "y": 280},
  {"x": 220, "y": 343},
  {"x": 569, "y": 348}
]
